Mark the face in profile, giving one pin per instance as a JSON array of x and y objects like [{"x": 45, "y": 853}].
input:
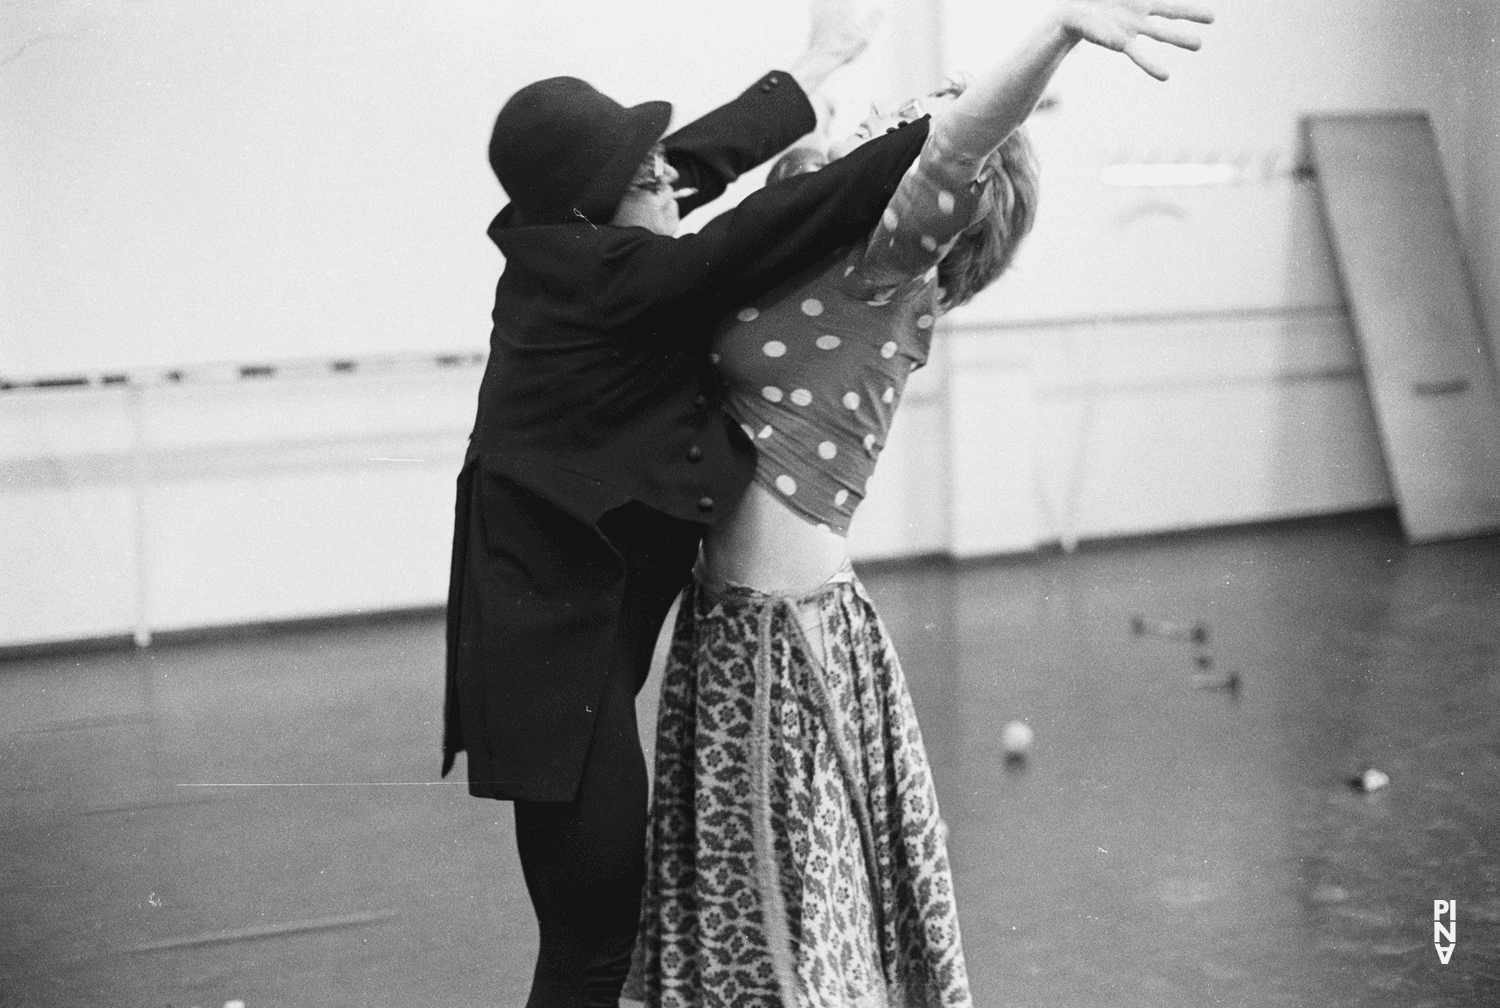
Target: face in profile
[
  {"x": 880, "y": 121},
  {"x": 650, "y": 201}
]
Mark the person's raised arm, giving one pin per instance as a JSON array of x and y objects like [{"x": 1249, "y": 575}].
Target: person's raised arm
[
  {"x": 999, "y": 101},
  {"x": 712, "y": 151},
  {"x": 839, "y": 34}
]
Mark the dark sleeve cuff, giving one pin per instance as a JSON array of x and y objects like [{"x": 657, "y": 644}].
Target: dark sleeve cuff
[{"x": 712, "y": 151}]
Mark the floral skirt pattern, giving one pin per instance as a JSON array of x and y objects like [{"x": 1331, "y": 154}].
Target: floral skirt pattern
[{"x": 796, "y": 857}]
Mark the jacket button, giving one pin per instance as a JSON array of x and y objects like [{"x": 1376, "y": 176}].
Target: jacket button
[
  {"x": 700, "y": 401},
  {"x": 695, "y": 454},
  {"x": 705, "y": 504}
]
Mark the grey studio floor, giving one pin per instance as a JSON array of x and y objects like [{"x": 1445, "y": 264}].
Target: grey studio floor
[{"x": 1166, "y": 844}]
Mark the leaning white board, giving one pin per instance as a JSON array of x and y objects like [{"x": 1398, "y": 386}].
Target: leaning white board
[{"x": 1427, "y": 364}]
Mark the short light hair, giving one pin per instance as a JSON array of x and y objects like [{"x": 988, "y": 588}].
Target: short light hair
[{"x": 987, "y": 248}]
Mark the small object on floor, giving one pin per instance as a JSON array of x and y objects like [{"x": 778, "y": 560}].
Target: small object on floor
[
  {"x": 1016, "y": 738},
  {"x": 1228, "y": 681},
  {"x": 1370, "y": 780},
  {"x": 1197, "y": 631}
]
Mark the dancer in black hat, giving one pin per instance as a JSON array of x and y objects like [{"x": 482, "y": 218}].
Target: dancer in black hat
[{"x": 601, "y": 452}]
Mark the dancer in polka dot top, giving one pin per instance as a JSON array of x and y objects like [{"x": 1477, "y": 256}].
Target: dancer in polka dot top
[
  {"x": 814, "y": 370},
  {"x": 796, "y": 856}
]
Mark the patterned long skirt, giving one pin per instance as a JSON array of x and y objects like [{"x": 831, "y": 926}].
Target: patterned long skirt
[{"x": 796, "y": 857}]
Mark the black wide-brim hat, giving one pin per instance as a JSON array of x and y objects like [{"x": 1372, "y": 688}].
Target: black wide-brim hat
[{"x": 561, "y": 149}]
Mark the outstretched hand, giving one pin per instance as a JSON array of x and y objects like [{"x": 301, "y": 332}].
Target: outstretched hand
[
  {"x": 1123, "y": 25},
  {"x": 839, "y": 32}
]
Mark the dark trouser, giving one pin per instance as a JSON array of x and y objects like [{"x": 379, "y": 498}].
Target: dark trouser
[{"x": 584, "y": 860}]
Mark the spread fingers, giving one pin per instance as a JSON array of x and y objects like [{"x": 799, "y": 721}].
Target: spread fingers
[
  {"x": 1183, "y": 10},
  {"x": 1166, "y": 31}
]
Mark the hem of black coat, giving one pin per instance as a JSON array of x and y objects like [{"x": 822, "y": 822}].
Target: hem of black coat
[{"x": 511, "y": 790}]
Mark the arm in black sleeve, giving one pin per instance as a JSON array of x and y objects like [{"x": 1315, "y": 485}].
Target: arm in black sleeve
[
  {"x": 712, "y": 151},
  {"x": 774, "y": 233}
]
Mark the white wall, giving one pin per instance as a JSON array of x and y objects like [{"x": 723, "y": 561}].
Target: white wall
[
  {"x": 188, "y": 181},
  {"x": 1102, "y": 251},
  {"x": 263, "y": 181},
  {"x": 1168, "y": 358}
]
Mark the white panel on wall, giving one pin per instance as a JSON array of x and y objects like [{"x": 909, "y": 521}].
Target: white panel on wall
[
  {"x": 1160, "y": 425},
  {"x": 1182, "y": 459},
  {"x": 341, "y": 538},
  {"x": 67, "y": 516},
  {"x": 991, "y": 445},
  {"x": 302, "y": 498},
  {"x": 907, "y": 510},
  {"x": 259, "y": 500}
]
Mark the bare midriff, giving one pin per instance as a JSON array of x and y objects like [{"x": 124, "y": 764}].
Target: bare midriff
[{"x": 766, "y": 546}]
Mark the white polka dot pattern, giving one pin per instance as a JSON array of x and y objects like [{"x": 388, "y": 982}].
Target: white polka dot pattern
[
  {"x": 879, "y": 299},
  {"x": 749, "y": 431}
]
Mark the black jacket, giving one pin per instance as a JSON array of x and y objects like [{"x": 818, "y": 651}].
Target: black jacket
[{"x": 599, "y": 391}]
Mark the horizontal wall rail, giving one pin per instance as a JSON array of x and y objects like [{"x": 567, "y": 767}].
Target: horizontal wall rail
[{"x": 253, "y": 371}]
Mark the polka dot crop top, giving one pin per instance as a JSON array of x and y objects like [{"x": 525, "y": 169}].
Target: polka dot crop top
[{"x": 814, "y": 370}]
